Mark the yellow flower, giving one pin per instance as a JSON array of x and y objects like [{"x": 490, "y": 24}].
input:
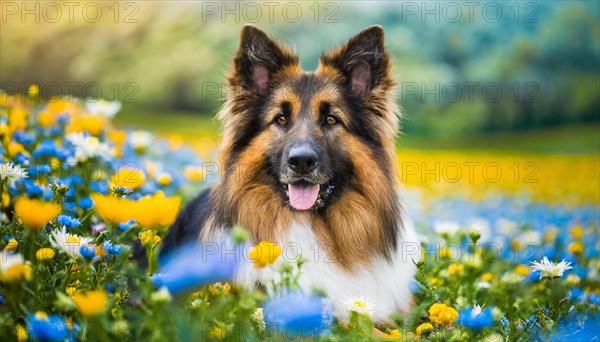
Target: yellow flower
[
  {"x": 424, "y": 328},
  {"x": 149, "y": 211},
  {"x": 57, "y": 105},
  {"x": 11, "y": 245},
  {"x": 265, "y": 253},
  {"x": 456, "y": 269},
  {"x": 100, "y": 252},
  {"x": 20, "y": 333},
  {"x": 515, "y": 245},
  {"x": 445, "y": 253},
  {"x": 148, "y": 237},
  {"x": 35, "y": 213},
  {"x": 91, "y": 303},
  {"x": 175, "y": 142},
  {"x": 487, "y": 277},
  {"x": 164, "y": 179},
  {"x": 393, "y": 335},
  {"x": 41, "y": 315},
  {"x": 46, "y": 119},
  {"x": 522, "y": 270},
  {"x": 45, "y": 254},
  {"x": 577, "y": 232},
  {"x": 129, "y": 178},
  {"x": 193, "y": 173},
  {"x": 17, "y": 119},
  {"x": 442, "y": 314},
  {"x": 87, "y": 123},
  {"x": 33, "y": 90},
  {"x": 5, "y": 132},
  {"x": 435, "y": 281},
  {"x": 576, "y": 247},
  {"x": 4, "y": 200},
  {"x": 218, "y": 332},
  {"x": 13, "y": 268},
  {"x": 70, "y": 291},
  {"x": 219, "y": 288},
  {"x": 13, "y": 148},
  {"x": 117, "y": 136}
]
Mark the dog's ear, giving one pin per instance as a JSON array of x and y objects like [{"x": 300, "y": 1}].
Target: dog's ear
[
  {"x": 364, "y": 62},
  {"x": 257, "y": 60}
]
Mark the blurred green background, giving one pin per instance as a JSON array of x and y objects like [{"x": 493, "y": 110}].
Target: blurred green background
[{"x": 465, "y": 69}]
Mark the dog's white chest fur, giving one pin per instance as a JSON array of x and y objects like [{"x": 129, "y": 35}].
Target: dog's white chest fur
[{"x": 385, "y": 284}]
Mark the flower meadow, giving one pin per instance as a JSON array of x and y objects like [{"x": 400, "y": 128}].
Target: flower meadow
[{"x": 81, "y": 197}]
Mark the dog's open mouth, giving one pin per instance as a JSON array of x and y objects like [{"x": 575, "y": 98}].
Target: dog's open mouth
[{"x": 304, "y": 195}]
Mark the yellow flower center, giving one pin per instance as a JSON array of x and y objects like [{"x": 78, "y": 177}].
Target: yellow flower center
[
  {"x": 359, "y": 304},
  {"x": 73, "y": 240}
]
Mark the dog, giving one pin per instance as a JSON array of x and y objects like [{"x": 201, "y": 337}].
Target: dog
[{"x": 309, "y": 161}]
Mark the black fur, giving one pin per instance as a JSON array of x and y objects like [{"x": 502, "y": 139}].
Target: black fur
[{"x": 189, "y": 223}]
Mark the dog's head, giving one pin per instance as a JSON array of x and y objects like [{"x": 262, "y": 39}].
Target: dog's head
[{"x": 311, "y": 136}]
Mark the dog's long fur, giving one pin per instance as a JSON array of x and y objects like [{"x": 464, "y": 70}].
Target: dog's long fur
[{"x": 366, "y": 244}]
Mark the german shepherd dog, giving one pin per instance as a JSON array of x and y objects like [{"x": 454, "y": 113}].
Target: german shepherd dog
[{"x": 309, "y": 160}]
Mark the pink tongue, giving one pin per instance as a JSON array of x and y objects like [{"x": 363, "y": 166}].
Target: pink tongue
[{"x": 303, "y": 196}]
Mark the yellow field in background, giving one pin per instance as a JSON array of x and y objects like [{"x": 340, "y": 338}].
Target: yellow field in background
[{"x": 551, "y": 178}]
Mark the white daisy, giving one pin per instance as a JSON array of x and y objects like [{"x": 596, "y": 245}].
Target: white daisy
[
  {"x": 161, "y": 296},
  {"x": 7, "y": 260},
  {"x": 12, "y": 172},
  {"x": 483, "y": 285},
  {"x": 481, "y": 226},
  {"x": 446, "y": 227},
  {"x": 550, "y": 270},
  {"x": 103, "y": 108},
  {"x": 68, "y": 243},
  {"x": 360, "y": 305},
  {"x": 140, "y": 140},
  {"x": 476, "y": 311},
  {"x": 88, "y": 147},
  {"x": 259, "y": 318},
  {"x": 531, "y": 237}
]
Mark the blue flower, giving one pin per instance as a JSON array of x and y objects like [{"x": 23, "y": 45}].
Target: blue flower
[
  {"x": 68, "y": 221},
  {"x": 297, "y": 314},
  {"x": 39, "y": 170},
  {"x": 63, "y": 153},
  {"x": 85, "y": 203},
  {"x": 197, "y": 264},
  {"x": 577, "y": 294},
  {"x": 594, "y": 299},
  {"x": 99, "y": 186},
  {"x": 21, "y": 159},
  {"x": 87, "y": 251},
  {"x": 63, "y": 118},
  {"x": 53, "y": 130},
  {"x": 126, "y": 225},
  {"x": 476, "y": 318},
  {"x": 531, "y": 325},
  {"x": 70, "y": 207},
  {"x": 47, "y": 328},
  {"x": 46, "y": 148},
  {"x": 24, "y": 138},
  {"x": 111, "y": 248},
  {"x": 578, "y": 327},
  {"x": 32, "y": 189},
  {"x": 1, "y": 299}
]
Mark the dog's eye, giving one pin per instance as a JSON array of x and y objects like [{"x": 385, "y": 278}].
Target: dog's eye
[
  {"x": 331, "y": 120},
  {"x": 281, "y": 120}
]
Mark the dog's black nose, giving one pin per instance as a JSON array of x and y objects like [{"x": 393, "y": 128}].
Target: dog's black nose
[{"x": 303, "y": 159}]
